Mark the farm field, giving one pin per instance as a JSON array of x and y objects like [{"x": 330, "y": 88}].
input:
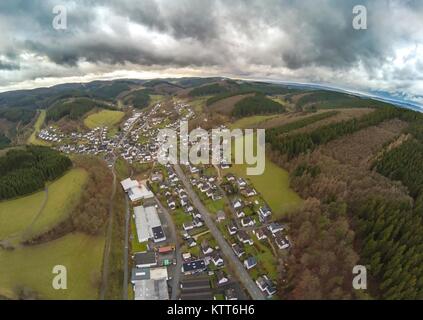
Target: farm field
[
  {"x": 37, "y": 127},
  {"x": 103, "y": 118},
  {"x": 31, "y": 267},
  {"x": 28, "y": 216}
]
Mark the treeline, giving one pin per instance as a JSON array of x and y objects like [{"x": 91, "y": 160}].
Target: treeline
[
  {"x": 405, "y": 164},
  {"x": 18, "y": 114},
  {"x": 391, "y": 241},
  {"x": 256, "y": 105},
  {"x": 4, "y": 141},
  {"x": 74, "y": 109},
  {"x": 25, "y": 171},
  {"x": 208, "y": 90},
  {"x": 301, "y": 123},
  {"x": 296, "y": 144}
]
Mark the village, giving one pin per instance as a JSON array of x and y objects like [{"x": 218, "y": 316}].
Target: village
[{"x": 174, "y": 253}]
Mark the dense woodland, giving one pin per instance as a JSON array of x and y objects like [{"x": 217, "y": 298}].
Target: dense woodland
[
  {"x": 212, "y": 89},
  {"x": 256, "y": 105},
  {"x": 140, "y": 99},
  {"x": 74, "y": 109},
  {"x": 354, "y": 215},
  {"x": 24, "y": 171},
  {"x": 22, "y": 115}
]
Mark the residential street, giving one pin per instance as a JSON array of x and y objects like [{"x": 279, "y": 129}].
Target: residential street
[{"x": 231, "y": 259}]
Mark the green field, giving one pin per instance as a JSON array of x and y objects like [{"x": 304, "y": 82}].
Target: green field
[
  {"x": 37, "y": 127},
  {"x": 273, "y": 185},
  {"x": 31, "y": 267},
  {"x": 103, "y": 118},
  {"x": 248, "y": 122},
  {"x": 28, "y": 216}
]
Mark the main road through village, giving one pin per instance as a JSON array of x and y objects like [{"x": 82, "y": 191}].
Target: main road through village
[{"x": 242, "y": 273}]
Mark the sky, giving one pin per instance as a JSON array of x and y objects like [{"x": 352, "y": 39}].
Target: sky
[{"x": 308, "y": 41}]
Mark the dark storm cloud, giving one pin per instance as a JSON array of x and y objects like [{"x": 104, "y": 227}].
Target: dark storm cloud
[{"x": 304, "y": 37}]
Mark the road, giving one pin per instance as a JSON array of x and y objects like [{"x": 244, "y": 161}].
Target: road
[
  {"x": 177, "y": 274},
  {"x": 242, "y": 273}
]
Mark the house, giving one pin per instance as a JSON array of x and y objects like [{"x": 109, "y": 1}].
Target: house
[
  {"x": 230, "y": 177},
  {"x": 249, "y": 192},
  {"x": 217, "y": 259},
  {"x": 260, "y": 234},
  {"x": 238, "y": 250},
  {"x": 275, "y": 227},
  {"x": 247, "y": 222},
  {"x": 157, "y": 177},
  {"x": 188, "y": 226},
  {"x": 191, "y": 242},
  {"x": 282, "y": 242},
  {"x": 232, "y": 228},
  {"x": 244, "y": 237},
  {"x": 171, "y": 204},
  {"x": 221, "y": 277},
  {"x": 186, "y": 256},
  {"x": 197, "y": 222},
  {"x": 194, "y": 267},
  {"x": 250, "y": 262},
  {"x": 241, "y": 183},
  {"x": 266, "y": 285},
  {"x": 146, "y": 259},
  {"x": 220, "y": 216},
  {"x": 237, "y": 204},
  {"x": 205, "y": 247},
  {"x": 230, "y": 294},
  {"x": 264, "y": 214},
  {"x": 239, "y": 213}
]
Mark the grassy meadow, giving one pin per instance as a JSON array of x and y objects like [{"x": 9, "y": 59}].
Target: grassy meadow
[
  {"x": 104, "y": 118},
  {"x": 31, "y": 267},
  {"x": 37, "y": 127},
  {"x": 31, "y": 215}
]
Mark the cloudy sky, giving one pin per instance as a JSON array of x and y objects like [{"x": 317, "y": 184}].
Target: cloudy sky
[{"x": 300, "y": 41}]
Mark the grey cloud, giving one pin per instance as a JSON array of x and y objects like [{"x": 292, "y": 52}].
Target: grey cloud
[{"x": 230, "y": 35}]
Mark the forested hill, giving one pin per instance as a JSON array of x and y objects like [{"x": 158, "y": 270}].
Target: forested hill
[{"x": 23, "y": 171}]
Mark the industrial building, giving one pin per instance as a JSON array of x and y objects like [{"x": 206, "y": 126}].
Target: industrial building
[{"x": 148, "y": 224}]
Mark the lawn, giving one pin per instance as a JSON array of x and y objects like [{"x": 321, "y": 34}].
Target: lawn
[
  {"x": 37, "y": 127},
  {"x": 22, "y": 217},
  {"x": 103, "y": 118},
  {"x": 31, "y": 267},
  {"x": 273, "y": 186}
]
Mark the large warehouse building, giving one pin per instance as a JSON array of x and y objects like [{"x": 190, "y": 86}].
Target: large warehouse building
[{"x": 148, "y": 224}]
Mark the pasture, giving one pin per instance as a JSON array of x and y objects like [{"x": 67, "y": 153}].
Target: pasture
[{"x": 104, "y": 118}]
